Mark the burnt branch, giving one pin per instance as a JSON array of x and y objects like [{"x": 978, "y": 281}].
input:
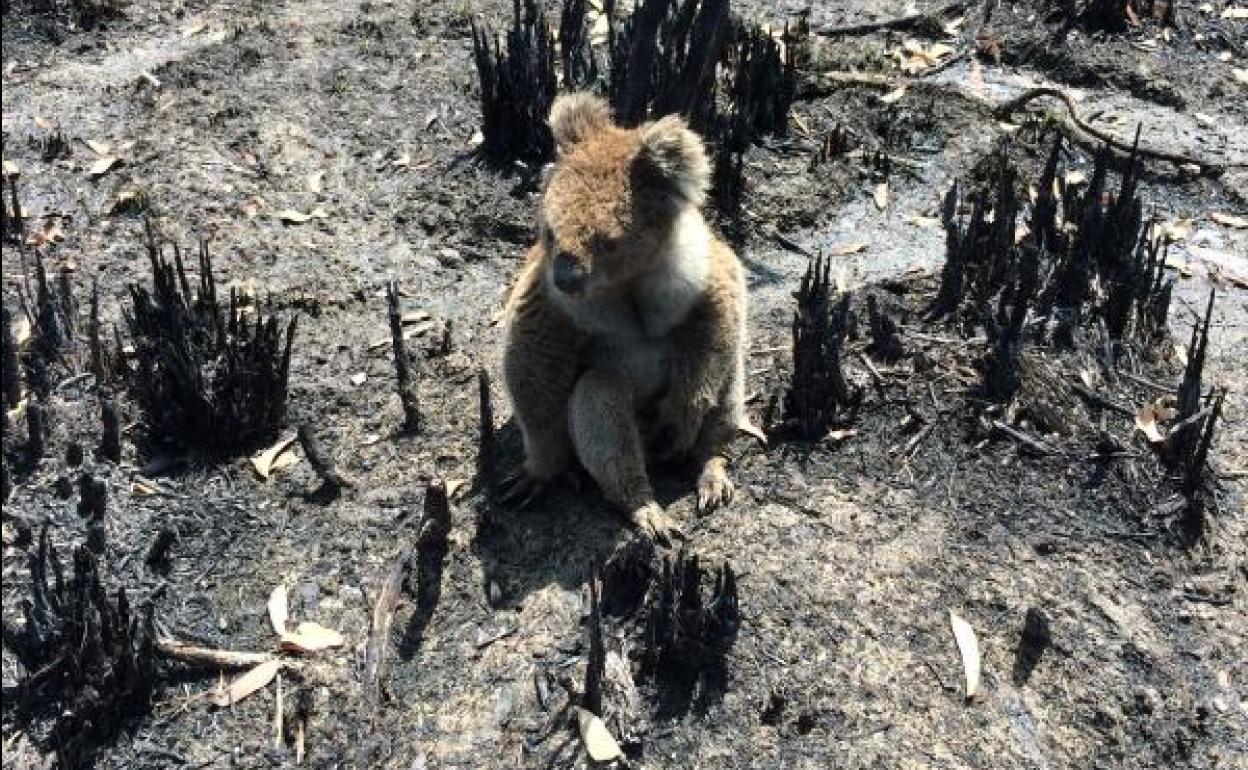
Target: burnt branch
[{"x": 408, "y": 394}]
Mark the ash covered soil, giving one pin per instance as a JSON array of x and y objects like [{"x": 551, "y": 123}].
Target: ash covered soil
[{"x": 322, "y": 149}]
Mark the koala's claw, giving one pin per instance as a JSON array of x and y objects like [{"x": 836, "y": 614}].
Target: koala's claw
[
  {"x": 520, "y": 490},
  {"x": 715, "y": 489},
  {"x": 655, "y": 524}
]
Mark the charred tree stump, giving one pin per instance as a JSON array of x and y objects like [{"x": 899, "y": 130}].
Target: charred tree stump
[
  {"x": 92, "y": 496},
  {"x": 485, "y": 447},
  {"x": 99, "y": 356},
  {"x": 597, "y": 660},
  {"x": 110, "y": 433},
  {"x": 92, "y": 505},
  {"x": 818, "y": 394},
  {"x": 408, "y": 394},
  {"x": 205, "y": 376},
  {"x": 626, "y": 576},
  {"x": 91, "y": 660},
  {"x": 580, "y": 67},
  {"x": 687, "y": 637},
  {"x": 885, "y": 339},
  {"x": 50, "y": 334},
  {"x": 158, "y": 553},
  {"x": 36, "y": 432},
  {"x": 12, "y": 374},
  {"x": 518, "y": 85},
  {"x": 435, "y": 520},
  {"x": 1183, "y": 442}
]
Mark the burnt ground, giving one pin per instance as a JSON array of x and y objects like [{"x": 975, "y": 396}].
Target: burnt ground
[{"x": 849, "y": 554}]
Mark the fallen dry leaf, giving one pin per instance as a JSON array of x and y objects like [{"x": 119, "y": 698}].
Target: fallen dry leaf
[
  {"x": 894, "y": 96},
  {"x": 17, "y": 411},
  {"x": 841, "y": 434},
  {"x": 102, "y": 149},
  {"x": 1230, "y": 220},
  {"x": 880, "y": 196},
  {"x": 51, "y": 232},
  {"x": 12, "y": 169},
  {"x": 255, "y": 679},
  {"x": 279, "y": 609},
  {"x": 265, "y": 462},
  {"x": 1240, "y": 74},
  {"x": 1238, "y": 14},
  {"x": 315, "y": 180},
  {"x": 454, "y": 486},
  {"x": 921, "y": 221},
  {"x": 193, "y": 28},
  {"x": 103, "y": 166},
  {"x": 358, "y": 378},
  {"x": 1176, "y": 230},
  {"x": 293, "y": 217},
  {"x": 599, "y": 744},
  {"x": 845, "y": 249},
  {"x": 968, "y": 646},
  {"x": 1149, "y": 418},
  {"x": 21, "y": 330},
  {"x": 310, "y": 637}
]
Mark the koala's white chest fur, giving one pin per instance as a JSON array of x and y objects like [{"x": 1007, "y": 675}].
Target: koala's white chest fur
[{"x": 629, "y": 333}]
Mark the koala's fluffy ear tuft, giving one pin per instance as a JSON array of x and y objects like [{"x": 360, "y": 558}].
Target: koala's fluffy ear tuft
[
  {"x": 574, "y": 117},
  {"x": 678, "y": 156}
]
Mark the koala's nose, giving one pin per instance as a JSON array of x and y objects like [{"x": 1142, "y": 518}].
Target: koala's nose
[{"x": 570, "y": 275}]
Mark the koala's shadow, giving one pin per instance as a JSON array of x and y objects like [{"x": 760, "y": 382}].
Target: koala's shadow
[{"x": 556, "y": 538}]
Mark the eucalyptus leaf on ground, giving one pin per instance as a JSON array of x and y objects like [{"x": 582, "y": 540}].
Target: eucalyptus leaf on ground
[
  {"x": 968, "y": 646},
  {"x": 256, "y": 678},
  {"x": 599, "y": 743}
]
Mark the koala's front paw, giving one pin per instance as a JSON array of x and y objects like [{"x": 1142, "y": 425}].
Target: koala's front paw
[
  {"x": 677, "y": 427},
  {"x": 652, "y": 522},
  {"x": 521, "y": 489},
  {"x": 714, "y": 486}
]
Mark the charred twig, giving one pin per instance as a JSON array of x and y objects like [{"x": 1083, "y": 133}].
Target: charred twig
[
  {"x": 408, "y": 394},
  {"x": 110, "y": 434},
  {"x": 1102, "y": 401},
  {"x": 320, "y": 460},
  {"x": 1029, "y": 441},
  {"x": 208, "y": 657},
  {"x": 379, "y": 632},
  {"x": 1007, "y": 109}
]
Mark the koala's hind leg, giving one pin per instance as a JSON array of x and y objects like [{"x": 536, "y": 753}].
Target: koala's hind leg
[{"x": 604, "y": 431}]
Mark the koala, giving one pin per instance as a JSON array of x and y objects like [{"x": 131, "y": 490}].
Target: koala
[{"x": 626, "y": 329}]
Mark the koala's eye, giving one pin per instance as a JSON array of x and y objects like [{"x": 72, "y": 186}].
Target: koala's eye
[{"x": 599, "y": 244}]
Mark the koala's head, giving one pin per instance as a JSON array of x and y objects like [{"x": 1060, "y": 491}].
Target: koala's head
[{"x": 615, "y": 193}]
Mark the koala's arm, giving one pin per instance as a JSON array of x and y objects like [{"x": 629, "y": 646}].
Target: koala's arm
[
  {"x": 540, "y": 365},
  {"x": 705, "y": 397}
]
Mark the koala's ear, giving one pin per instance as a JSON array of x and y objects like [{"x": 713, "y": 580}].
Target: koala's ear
[
  {"x": 574, "y": 117},
  {"x": 678, "y": 156}
]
